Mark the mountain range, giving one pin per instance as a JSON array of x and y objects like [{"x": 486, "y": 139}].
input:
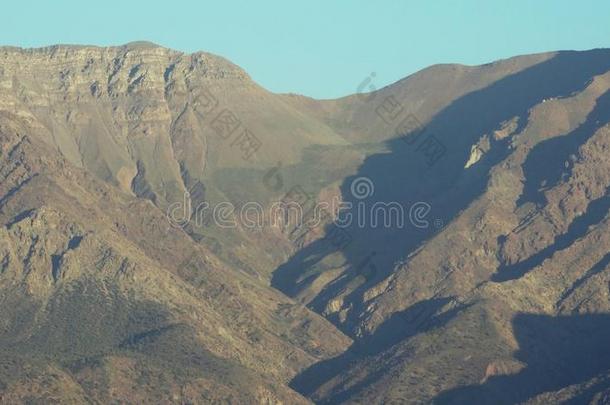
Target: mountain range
[{"x": 475, "y": 267}]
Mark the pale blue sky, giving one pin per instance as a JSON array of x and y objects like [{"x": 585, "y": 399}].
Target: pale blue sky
[{"x": 319, "y": 48}]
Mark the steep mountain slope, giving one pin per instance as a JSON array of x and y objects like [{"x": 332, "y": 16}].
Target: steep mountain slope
[
  {"x": 103, "y": 300},
  {"x": 501, "y": 292}
]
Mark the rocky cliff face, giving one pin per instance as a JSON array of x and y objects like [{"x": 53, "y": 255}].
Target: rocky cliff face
[
  {"x": 499, "y": 293},
  {"x": 113, "y": 110}
]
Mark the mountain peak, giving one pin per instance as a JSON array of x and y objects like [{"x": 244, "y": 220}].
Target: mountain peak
[{"x": 142, "y": 45}]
